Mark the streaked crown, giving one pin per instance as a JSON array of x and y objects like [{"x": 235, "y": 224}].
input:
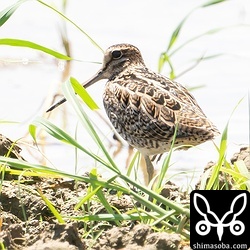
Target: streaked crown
[{"x": 120, "y": 56}]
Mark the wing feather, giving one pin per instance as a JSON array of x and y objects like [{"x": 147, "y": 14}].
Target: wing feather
[{"x": 157, "y": 104}]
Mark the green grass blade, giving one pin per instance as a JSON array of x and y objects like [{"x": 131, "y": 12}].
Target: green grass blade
[
  {"x": 197, "y": 62},
  {"x": 70, "y": 21},
  {"x": 9, "y": 11},
  {"x": 161, "y": 61},
  {"x": 177, "y": 31},
  {"x": 150, "y": 206},
  {"x": 8, "y": 122},
  {"x": 113, "y": 217},
  {"x": 31, "y": 45},
  {"x": 213, "y": 180},
  {"x": 32, "y": 131},
  {"x": 71, "y": 97},
  {"x": 207, "y": 33},
  {"x": 20, "y": 164},
  {"x": 212, "y": 2},
  {"x": 59, "y": 134},
  {"x": 136, "y": 158},
  {"x": 156, "y": 196},
  {"x": 51, "y": 207},
  {"x": 86, "y": 198},
  {"x": 101, "y": 196},
  {"x": 166, "y": 59},
  {"x": 166, "y": 164},
  {"x": 82, "y": 92},
  {"x": 238, "y": 173}
]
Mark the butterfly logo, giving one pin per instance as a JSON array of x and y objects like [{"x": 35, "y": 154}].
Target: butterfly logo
[{"x": 210, "y": 219}]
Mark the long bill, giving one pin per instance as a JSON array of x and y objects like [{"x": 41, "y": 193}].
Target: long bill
[{"x": 98, "y": 76}]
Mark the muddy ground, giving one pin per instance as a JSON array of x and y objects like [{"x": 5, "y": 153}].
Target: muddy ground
[{"x": 27, "y": 223}]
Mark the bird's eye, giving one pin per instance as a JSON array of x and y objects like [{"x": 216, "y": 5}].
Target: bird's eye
[{"x": 116, "y": 54}]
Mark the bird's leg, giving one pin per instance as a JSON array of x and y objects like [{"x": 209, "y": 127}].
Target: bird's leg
[{"x": 150, "y": 168}]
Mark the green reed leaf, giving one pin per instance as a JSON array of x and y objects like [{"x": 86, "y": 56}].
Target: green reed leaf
[
  {"x": 177, "y": 31},
  {"x": 31, "y": 45},
  {"x": 71, "y": 97},
  {"x": 73, "y": 23},
  {"x": 9, "y": 11},
  {"x": 212, "y": 2},
  {"x": 61, "y": 135},
  {"x": 51, "y": 207},
  {"x": 82, "y": 92},
  {"x": 213, "y": 180}
]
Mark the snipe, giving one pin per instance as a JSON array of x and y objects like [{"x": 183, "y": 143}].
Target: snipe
[{"x": 145, "y": 107}]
